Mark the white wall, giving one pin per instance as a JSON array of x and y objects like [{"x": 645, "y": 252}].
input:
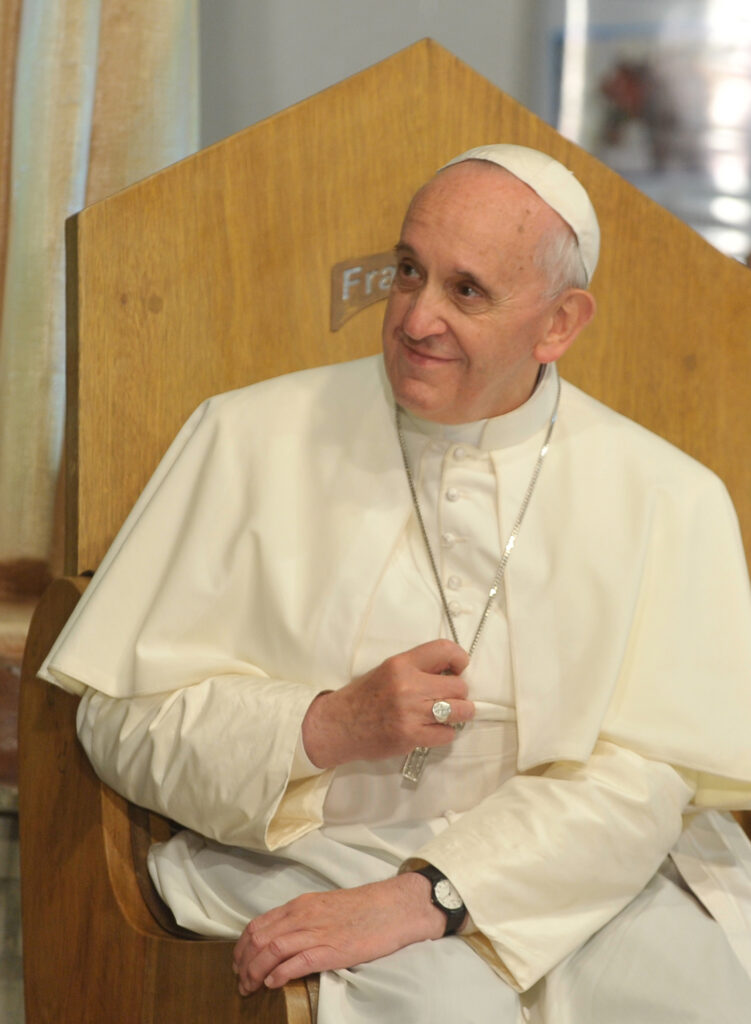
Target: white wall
[{"x": 259, "y": 56}]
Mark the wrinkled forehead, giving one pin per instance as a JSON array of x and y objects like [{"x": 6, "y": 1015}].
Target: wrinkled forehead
[
  {"x": 479, "y": 221},
  {"x": 475, "y": 198},
  {"x": 554, "y": 183}
]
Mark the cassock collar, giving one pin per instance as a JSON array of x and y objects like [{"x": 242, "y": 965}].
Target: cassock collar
[{"x": 500, "y": 431}]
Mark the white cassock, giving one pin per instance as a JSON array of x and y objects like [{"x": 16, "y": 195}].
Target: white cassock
[{"x": 274, "y": 554}]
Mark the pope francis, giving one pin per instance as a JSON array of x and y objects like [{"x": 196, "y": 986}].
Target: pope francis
[{"x": 442, "y": 665}]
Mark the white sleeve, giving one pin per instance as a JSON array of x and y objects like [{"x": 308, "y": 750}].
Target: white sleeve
[
  {"x": 216, "y": 757},
  {"x": 550, "y": 858}
]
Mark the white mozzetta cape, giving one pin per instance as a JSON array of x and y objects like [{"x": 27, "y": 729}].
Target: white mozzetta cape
[
  {"x": 248, "y": 563},
  {"x": 255, "y": 547}
]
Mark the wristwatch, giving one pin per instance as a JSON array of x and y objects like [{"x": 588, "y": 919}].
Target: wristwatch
[{"x": 445, "y": 897}]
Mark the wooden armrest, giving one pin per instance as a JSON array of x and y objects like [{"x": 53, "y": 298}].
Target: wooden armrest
[{"x": 93, "y": 951}]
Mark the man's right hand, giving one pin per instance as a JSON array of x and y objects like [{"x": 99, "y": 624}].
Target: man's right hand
[{"x": 388, "y": 711}]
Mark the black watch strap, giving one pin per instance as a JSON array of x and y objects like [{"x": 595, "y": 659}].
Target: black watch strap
[{"x": 445, "y": 897}]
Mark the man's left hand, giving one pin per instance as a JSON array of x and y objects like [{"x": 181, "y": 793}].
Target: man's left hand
[{"x": 324, "y": 931}]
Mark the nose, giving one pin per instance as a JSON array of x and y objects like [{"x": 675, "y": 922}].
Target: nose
[{"x": 423, "y": 317}]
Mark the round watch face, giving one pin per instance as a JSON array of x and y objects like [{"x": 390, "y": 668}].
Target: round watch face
[{"x": 447, "y": 895}]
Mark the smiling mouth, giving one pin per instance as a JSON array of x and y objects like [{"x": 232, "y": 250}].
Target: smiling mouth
[{"x": 423, "y": 357}]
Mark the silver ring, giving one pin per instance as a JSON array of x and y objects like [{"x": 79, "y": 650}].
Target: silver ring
[{"x": 441, "y": 711}]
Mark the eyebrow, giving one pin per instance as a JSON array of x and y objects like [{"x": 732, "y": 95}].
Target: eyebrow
[{"x": 405, "y": 248}]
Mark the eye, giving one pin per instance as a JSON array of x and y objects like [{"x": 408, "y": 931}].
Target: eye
[
  {"x": 406, "y": 272},
  {"x": 467, "y": 291}
]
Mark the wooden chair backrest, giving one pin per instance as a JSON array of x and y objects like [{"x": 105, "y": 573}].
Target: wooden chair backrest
[{"x": 216, "y": 272}]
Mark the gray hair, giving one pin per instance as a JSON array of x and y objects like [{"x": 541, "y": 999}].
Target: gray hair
[{"x": 558, "y": 257}]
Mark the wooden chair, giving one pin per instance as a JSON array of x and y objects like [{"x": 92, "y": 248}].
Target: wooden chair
[{"x": 216, "y": 273}]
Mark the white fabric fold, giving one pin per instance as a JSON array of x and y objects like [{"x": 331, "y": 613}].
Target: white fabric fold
[{"x": 242, "y": 584}]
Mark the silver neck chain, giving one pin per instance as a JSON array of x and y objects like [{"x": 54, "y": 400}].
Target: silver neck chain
[{"x": 510, "y": 543}]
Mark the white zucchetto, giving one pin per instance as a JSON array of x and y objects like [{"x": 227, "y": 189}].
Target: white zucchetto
[{"x": 554, "y": 184}]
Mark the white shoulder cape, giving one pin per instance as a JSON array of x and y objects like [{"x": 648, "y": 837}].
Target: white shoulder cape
[{"x": 256, "y": 545}]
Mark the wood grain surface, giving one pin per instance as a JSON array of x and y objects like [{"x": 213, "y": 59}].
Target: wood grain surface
[{"x": 216, "y": 272}]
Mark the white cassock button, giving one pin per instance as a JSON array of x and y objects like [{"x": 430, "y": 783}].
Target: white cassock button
[
  {"x": 448, "y": 539},
  {"x": 460, "y": 453},
  {"x": 454, "y": 607},
  {"x": 454, "y": 582},
  {"x": 452, "y": 494}
]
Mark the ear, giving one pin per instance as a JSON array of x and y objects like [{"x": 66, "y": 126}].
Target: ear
[{"x": 571, "y": 312}]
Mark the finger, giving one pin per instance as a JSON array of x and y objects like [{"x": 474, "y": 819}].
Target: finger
[
  {"x": 434, "y": 734},
  {"x": 254, "y": 964},
  {"x": 438, "y": 656},
  {"x": 260, "y": 931},
  {"x": 461, "y": 711},
  {"x": 257, "y": 963},
  {"x": 272, "y": 937},
  {"x": 446, "y": 687},
  {"x": 307, "y": 961}
]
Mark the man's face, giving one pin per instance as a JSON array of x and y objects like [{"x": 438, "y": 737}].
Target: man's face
[{"x": 466, "y": 320}]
